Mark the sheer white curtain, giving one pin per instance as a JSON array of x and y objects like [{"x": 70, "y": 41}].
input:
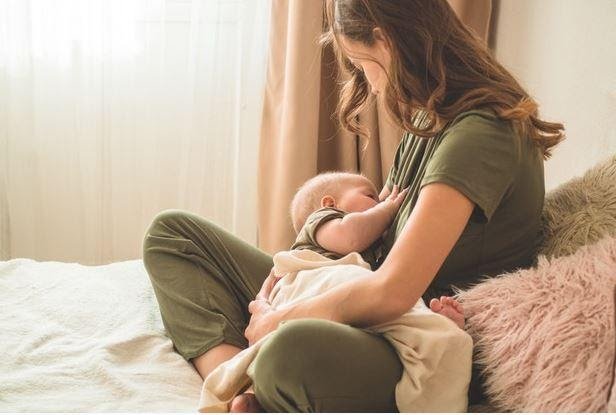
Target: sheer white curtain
[{"x": 113, "y": 110}]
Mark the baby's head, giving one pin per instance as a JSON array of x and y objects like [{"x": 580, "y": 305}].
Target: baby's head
[{"x": 348, "y": 192}]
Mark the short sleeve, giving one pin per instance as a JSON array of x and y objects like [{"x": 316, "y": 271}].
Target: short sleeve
[
  {"x": 478, "y": 155},
  {"x": 306, "y": 237}
]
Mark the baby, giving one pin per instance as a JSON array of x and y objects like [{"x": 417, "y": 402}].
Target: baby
[{"x": 337, "y": 213}]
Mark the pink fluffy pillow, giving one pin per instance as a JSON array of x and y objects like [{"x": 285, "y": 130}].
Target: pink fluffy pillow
[{"x": 545, "y": 336}]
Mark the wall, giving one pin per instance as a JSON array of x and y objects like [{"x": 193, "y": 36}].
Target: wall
[{"x": 564, "y": 53}]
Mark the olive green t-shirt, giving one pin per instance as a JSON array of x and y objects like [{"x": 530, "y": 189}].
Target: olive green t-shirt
[
  {"x": 481, "y": 156},
  {"x": 306, "y": 237}
]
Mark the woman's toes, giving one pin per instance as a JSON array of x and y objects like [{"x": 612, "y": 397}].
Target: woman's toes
[
  {"x": 239, "y": 404},
  {"x": 253, "y": 404},
  {"x": 246, "y": 402}
]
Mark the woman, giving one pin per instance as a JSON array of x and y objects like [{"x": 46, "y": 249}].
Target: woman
[{"x": 473, "y": 159}]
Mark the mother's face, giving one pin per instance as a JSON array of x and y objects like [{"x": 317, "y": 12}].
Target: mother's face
[{"x": 373, "y": 60}]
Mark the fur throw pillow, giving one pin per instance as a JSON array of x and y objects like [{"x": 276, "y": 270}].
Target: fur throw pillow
[
  {"x": 580, "y": 211},
  {"x": 611, "y": 404},
  {"x": 545, "y": 336}
]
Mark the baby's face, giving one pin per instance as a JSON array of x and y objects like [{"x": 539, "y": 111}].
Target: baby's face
[{"x": 357, "y": 196}]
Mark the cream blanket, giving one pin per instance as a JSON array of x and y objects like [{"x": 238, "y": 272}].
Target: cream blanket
[
  {"x": 436, "y": 354},
  {"x": 77, "y": 338}
]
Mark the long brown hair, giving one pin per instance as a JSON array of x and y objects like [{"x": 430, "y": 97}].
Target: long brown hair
[{"x": 439, "y": 69}]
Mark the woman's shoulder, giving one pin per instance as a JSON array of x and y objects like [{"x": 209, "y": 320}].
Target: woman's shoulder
[
  {"x": 481, "y": 119},
  {"x": 472, "y": 134},
  {"x": 479, "y": 155},
  {"x": 482, "y": 129}
]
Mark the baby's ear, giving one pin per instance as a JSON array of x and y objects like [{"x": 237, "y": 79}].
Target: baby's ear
[{"x": 328, "y": 201}]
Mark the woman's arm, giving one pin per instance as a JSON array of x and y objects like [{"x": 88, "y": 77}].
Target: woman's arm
[{"x": 434, "y": 226}]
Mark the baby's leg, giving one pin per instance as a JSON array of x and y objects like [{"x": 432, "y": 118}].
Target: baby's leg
[
  {"x": 449, "y": 307},
  {"x": 245, "y": 402}
]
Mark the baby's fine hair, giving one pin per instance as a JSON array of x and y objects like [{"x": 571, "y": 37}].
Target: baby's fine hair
[{"x": 308, "y": 197}]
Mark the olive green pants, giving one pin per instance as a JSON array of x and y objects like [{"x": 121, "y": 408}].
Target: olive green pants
[{"x": 204, "y": 278}]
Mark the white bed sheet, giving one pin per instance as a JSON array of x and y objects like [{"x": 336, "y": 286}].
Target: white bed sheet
[{"x": 77, "y": 338}]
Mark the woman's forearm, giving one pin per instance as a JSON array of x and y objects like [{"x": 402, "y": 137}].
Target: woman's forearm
[{"x": 362, "y": 302}]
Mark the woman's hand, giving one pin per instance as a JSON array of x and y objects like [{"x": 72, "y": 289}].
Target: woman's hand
[
  {"x": 268, "y": 286},
  {"x": 263, "y": 319}
]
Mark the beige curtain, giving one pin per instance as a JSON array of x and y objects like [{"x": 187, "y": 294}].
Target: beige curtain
[{"x": 299, "y": 137}]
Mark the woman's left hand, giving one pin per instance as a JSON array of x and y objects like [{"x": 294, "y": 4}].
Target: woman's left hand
[{"x": 263, "y": 319}]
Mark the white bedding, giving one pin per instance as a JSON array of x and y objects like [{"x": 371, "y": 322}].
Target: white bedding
[{"x": 77, "y": 338}]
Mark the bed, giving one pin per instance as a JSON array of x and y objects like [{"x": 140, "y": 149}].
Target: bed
[{"x": 78, "y": 338}]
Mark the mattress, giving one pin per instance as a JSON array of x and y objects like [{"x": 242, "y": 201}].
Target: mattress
[{"x": 77, "y": 338}]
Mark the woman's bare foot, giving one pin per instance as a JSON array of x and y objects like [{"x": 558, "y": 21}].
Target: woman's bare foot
[
  {"x": 245, "y": 402},
  {"x": 450, "y": 308}
]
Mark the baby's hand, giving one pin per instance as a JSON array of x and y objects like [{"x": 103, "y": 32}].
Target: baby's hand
[{"x": 394, "y": 200}]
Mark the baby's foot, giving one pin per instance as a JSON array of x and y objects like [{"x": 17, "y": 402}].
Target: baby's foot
[
  {"x": 245, "y": 402},
  {"x": 449, "y": 307}
]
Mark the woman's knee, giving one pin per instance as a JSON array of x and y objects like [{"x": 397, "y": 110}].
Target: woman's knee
[
  {"x": 283, "y": 366},
  {"x": 170, "y": 227},
  {"x": 316, "y": 365},
  {"x": 167, "y": 222},
  {"x": 291, "y": 350}
]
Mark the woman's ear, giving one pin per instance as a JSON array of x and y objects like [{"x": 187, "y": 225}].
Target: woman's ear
[
  {"x": 328, "y": 201},
  {"x": 380, "y": 37}
]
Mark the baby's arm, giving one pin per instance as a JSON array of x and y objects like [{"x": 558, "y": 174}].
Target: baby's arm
[{"x": 356, "y": 231}]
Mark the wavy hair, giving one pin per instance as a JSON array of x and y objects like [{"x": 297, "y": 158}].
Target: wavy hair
[{"x": 439, "y": 69}]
